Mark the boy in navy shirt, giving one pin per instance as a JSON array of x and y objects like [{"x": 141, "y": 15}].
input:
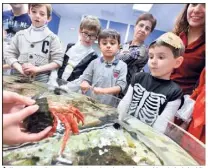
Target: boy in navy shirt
[{"x": 15, "y": 20}]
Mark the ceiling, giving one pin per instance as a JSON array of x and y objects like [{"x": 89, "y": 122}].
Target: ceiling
[{"x": 164, "y": 13}]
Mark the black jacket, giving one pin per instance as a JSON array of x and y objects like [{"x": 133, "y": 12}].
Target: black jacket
[{"x": 79, "y": 69}]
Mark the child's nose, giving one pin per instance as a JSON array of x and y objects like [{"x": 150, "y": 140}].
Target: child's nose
[
  {"x": 37, "y": 15},
  {"x": 88, "y": 39},
  {"x": 108, "y": 45},
  {"x": 153, "y": 60}
]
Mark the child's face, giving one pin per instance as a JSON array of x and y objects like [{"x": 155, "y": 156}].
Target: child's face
[
  {"x": 87, "y": 37},
  {"x": 39, "y": 16},
  {"x": 17, "y": 6},
  {"x": 109, "y": 47},
  {"x": 162, "y": 62}
]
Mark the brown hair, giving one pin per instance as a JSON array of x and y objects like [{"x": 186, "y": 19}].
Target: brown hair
[
  {"x": 91, "y": 23},
  {"x": 176, "y": 51},
  {"x": 147, "y": 16},
  {"x": 181, "y": 24},
  {"x": 109, "y": 33},
  {"x": 48, "y": 7}
]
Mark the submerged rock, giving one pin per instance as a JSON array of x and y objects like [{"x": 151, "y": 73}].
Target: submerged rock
[{"x": 112, "y": 155}]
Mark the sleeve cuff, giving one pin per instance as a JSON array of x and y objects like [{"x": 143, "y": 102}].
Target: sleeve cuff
[
  {"x": 122, "y": 86},
  {"x": 11, "y": 61},
  {"x": 58, "y": 62}
]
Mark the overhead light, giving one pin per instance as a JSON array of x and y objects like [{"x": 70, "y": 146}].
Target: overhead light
[{"x": 142, "y": 7}]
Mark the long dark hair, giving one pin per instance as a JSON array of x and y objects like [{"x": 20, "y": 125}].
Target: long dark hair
[{"x": 181, "y": 24}]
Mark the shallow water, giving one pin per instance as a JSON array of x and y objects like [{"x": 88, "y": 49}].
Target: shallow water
[{"x": 133, "y": 141}]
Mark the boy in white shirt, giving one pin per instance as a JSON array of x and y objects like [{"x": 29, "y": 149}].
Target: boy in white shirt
[{"x": 79, "y": 55}]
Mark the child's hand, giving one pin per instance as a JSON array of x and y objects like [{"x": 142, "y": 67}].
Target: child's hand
[
  {"x": 6, "y": 66},
  {"x": 19, "y": 68},
  {"x": 85, "y": 86},
  {"x": 29, "y": 68},
  {"x": 98, "y": 90}
]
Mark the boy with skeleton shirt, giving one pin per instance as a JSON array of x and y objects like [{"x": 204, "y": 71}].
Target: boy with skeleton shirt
[{"x": 154, "y": 98}]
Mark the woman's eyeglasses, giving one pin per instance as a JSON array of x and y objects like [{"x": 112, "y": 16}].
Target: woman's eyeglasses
[{"x": 91, "y": 37}]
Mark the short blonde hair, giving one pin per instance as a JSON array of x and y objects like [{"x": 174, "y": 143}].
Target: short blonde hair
[
  {"x": 91, "y": 23},
  {"x": 171, "y": 41},
  {"x": 48, "y": 7}
]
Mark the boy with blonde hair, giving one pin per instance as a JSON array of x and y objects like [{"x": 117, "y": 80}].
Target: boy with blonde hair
[
  {"x": 79, "y": 55},
  {"x": 35, "y": 51}
]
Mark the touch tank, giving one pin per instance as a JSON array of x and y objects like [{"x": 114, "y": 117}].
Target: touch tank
[{"x": 103, "y": 140}]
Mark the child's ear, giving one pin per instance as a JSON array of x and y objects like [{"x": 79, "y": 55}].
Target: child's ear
[
  {"x": 49, "y": 19},
  {"x": 80, "y": 31},
  {"x": 179, "y": 61},
  {"x": 28, "y": 11}
]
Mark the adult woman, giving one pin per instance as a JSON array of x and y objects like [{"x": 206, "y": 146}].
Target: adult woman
[
  {"x": 190, "y": 26},
  {"x": 134, "y": 53}
]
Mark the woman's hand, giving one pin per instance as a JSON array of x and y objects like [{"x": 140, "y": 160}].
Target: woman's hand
[
  {"x": 14, "y": 112},
  {"x": 12, "y": 131},
  {"x": 13, "y": 101}
]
